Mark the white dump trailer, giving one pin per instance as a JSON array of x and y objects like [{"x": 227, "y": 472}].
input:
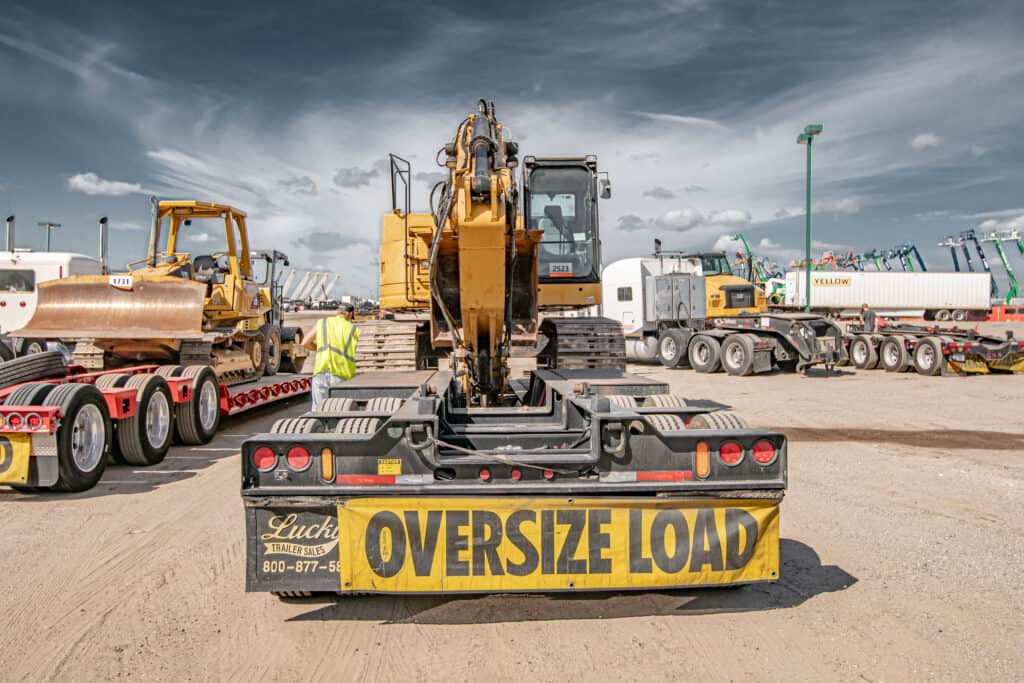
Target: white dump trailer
[{"x": 934, "y": 296}]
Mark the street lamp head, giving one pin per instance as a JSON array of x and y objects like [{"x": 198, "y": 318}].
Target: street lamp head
[
  {"x": 813, "y": 129},
  {"x": 804, "y": 139}
]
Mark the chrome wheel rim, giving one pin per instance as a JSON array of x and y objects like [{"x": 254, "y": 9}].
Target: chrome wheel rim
[
  {"x": 158, "y": 419},
  {"x": 926, "y": 357},
  {"x": 860, "y": 352},
  {"x": 702, "y": 352},
  {"x": 736, "y": 355},
  {"x": 87, "y": 438},
  {"x": 207, "y": 405},
  {"x": 668, "y": 348},
  {"x": 891, "y": 357}
]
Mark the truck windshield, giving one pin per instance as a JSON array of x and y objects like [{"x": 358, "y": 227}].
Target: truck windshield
[
  {"x": 715, "y": 264},
  {"x": 17, "y": 281},
  {"x": 561, "y": 203}
]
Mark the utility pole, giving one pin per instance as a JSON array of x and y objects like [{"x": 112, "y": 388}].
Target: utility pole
[
  {"x": 806, "y": 138},
  {"x": 49, "y": 230}
]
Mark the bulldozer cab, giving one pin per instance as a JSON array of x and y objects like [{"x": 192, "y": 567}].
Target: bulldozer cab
[
  {"x": 560, "y": 199},
  {"x": 231, "y": 290},
  {"x": 267, "y": 268}
]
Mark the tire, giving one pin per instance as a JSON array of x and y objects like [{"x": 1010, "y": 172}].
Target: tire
[
  {"x": 862, "y": 353},
  {"x": 272, "y": 335},
  {"x": 738, "y": 355},
  {"x": 671, "y": 348},
  {"x": 29, "y": 394},
  {"x": 959, "y": 316},
  {"x": 84, "y": 435},
  {"x": 928, "y": 358},
  {"x": 6, "y": 352},
  {"x": 170, "y": 370},
  {"x": 30, "y": 347},
  {"x": 384, "y": 404},
  {"x": 621, "y": 401},
  {"x": 721, "y": 419},
  {"x": 297, "y": 425},
  {"x": 198, "y": 418},
  {"x": 666, "y": 422},
  {"x": 29, "y": 368},
  {"x": 942, "y": 315},
  {"x": 893, "y": 354},
  {"x": 293, "y": 337},
  {"x": 664, "y": 401},
  {"x": 113, "y": 381},
  {"x": 705, "y": 354},
  {"x": 144, "y": 438},
  {"x": 357, "y": 425},
  {"x": 787, "y": 365},
  {"x": 335, "y": 405},
  {"x": 256, "y": 347}
]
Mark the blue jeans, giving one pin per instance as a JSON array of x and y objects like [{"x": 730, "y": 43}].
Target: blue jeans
[{"x": 321, "y": 387}]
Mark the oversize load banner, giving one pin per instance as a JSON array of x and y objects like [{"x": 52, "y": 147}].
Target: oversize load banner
[{"x": 517, "y": 544}]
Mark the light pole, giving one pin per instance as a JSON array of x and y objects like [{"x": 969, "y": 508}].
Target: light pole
[
  {"x": 49, "y": 230},
  {"x": 807, "y": 138}
]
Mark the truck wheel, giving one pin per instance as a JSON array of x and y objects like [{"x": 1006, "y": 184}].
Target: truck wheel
[
  {"x": 170, "y": 370},
  {"x": 738, "y": 354},
  {"x": 665, "y": 401},
  {"x": 29, "y": 394},
  {"x": 31, "y": 346},
  {"x": 893, "y": 354},
  {"x": 83, "y": 437},
  {"x": 197, "y": 419},
  {"x": 113, "y": 380},
  {"x": 720, "y": 419},
  {"x": 144, "y": 438},
  {"x": 357, "y": 425},
  {"x": 665, "y": 422},
  {"x": 297, "y": 425},
  {"x": 384, "y": 404},
  {"x": 292, "y": 338},
  {"x": 942, "y": 315},
  {"x": 272, "y": 335},
  {"x": 705, "y": 354},
  {"x": 863, "y": 353},
  {"x": 335, "y": 405},
  {"x": 928, "y": 358},
  {"x": 959, "y": 316},
  {"x": 30, "y": 368},
  {"x": 671, "y": 348},
  {"x": 6, "y": 352}
]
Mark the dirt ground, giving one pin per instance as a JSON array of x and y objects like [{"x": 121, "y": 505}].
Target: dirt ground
[{"x": 902, "y": 553}]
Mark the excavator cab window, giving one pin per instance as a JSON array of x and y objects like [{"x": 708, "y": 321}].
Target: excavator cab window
[
  {"x": 561, "y": 202},
  {"x": 715, "y": 264}
]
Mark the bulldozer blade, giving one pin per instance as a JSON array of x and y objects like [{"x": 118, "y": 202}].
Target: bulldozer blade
[{"x": 89, "y": 307}]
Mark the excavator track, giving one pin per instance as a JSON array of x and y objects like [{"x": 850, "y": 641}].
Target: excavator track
[{"x": 583, "y": 343}]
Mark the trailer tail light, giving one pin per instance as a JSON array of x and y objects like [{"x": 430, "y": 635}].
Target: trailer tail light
[
  {"x": 703, "y": 465},
  {"x": 22, "y": 304},
  {"x": 33, "y": 420},
  {"x": 764, "y": 452},
  {"x": 485, "y": 474},
  {"x": 549, "y": 475},
  {"x": 264, "y": 458},
  {"x": 14, "y": 420},
  {"x": 326, "y": 464},
  {"x": 730, "y": 453},
  {"x": 3, "y": 304},
  {"x": 298, "y": 458},
  {"x": 516, "y": 475}
]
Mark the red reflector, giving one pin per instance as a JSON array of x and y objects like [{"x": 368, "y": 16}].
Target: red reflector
[
  {"x": 516, "y": 475},
  {"x": 365, "y": 479},
  {"x": 485, "y": 474},
  {"x": 298, "y": 458},
  {"x": 14, "y": 419},
  {"x": 667, "y": 475},
  {"x": 264, "y": 458},
  {"x": 730, "y": 452},
  {"x": 22, "y": 304},
  {"x": 3, "y": 303},
  {"x": 764, "y": 452},
  {"x": 549, "y": 475}
]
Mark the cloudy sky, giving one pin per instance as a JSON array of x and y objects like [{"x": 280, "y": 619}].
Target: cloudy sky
[{"x": 693, "y": 106}]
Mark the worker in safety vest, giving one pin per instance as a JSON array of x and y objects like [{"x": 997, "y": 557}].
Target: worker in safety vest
[{"x": 334, "y": 339}]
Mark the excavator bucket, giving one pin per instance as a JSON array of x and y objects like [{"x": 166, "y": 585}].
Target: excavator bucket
[{"x": 118, "y": 307}]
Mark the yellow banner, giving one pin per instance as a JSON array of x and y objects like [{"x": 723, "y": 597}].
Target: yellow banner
[
  {"x": 15, "y": 451},
  {"x": 535, "y": 544}
]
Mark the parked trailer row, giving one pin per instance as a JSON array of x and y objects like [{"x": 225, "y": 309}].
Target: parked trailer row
[
  {"x": 934, "y": 350},
  {"x": 59, "y": 431}
]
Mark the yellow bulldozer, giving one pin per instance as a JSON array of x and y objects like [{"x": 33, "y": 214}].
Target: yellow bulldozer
[{"x": 174, "y": 307}]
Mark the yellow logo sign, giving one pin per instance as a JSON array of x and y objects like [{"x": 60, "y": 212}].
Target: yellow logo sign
[{"x": 833, "y": 281}]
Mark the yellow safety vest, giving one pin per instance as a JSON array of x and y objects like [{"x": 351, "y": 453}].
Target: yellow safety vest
[{"x": 336, "y": 340}]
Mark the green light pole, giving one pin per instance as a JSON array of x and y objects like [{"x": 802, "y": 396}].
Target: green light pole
[
  {"x": 49, "y": 229},
  {"x": 807, "y": 138}
]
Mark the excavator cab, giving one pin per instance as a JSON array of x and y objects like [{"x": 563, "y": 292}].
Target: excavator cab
[{"x": 560, "y": 198}]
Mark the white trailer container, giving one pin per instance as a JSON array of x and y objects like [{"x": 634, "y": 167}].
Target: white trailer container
[{"x": 935, "y": 296}]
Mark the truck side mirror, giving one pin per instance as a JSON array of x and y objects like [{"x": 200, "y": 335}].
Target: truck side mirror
[{"x": 606, "y": 188}]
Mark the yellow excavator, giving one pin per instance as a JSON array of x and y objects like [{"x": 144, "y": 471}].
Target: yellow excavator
[
  {"x": 464, "y": 479},
  {"x": 174, "y": 307}
]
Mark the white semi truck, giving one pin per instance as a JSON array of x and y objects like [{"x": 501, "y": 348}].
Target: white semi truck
[{"x": 931, "y": 295}]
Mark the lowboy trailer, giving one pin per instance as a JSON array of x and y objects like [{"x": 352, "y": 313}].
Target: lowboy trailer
[
  {"x": 934, "y": 350},
  {"x": 59, "y": 431},
  {"x": 596, "y": 480}
]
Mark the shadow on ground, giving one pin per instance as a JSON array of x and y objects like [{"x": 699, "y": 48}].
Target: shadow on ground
[
  {"x": 953, "y": 439},
  {"x": 803, "y": 577},
  {"x": 182, "y": 462}
]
